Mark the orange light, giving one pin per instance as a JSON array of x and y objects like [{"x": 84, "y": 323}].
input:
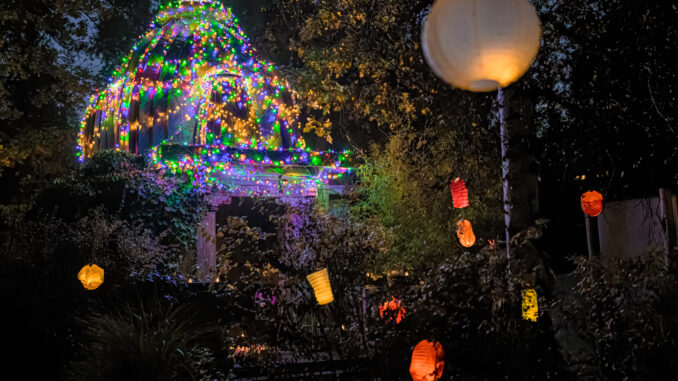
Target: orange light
[
  {"x": 91, "y": 276},
  {"x": 393, "y": 310},
  {"x": 592, "y": 203},
  {"x": 465, "y": 233},
  {"x": 428, "y": 361}
]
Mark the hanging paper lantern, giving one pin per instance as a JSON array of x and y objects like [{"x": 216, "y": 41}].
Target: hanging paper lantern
[
  {"x": 428, "y": 361},
  {"x": 530, "y": 305},
  {"x": 479, "y": 45},
  {"x": 465, "y": 233},
  {"x": 320, "y": 281},
  {"x": 592, "y": 203},
  {"x": 459, "y": 193},
  {"x": 392, "y": 310},
  {"x": 91, "y": 276}
]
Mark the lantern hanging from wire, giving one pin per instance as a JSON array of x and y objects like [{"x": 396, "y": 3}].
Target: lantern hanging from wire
[
  {"x": 530, "y": 305},
  {"x": 592, "y": 203},
  {"x": 428, "y": 361},
  {"x": 459, "y": 193},
  {"x": 465, "y": 233},
  {"x": 393, "y": 310},
  {"x": 91, "y": 276},
  {"x": 320, "y": 281},
  {"x": 480, "y": 45}
]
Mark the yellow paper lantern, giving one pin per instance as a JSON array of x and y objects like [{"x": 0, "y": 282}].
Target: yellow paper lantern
[
  {"x": 428, "y": 361},
  {"x": 320, "y": 281},
  {"x": 530, "y": 305},
  {"x": 91, "y": 276},
  {"x": 479, "y": 45}
]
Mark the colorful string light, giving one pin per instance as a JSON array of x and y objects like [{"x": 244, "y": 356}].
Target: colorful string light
[{"x": 193, "y": 83}]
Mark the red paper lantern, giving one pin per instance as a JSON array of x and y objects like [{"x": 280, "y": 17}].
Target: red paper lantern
[
  {"x": 393, "y": 310},
  {"x": 592, "y": 203},
  {"x": 459, "y": 193},
  {"x": 428, "y": 361}
]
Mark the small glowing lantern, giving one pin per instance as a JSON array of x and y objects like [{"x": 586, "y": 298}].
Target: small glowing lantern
[
  {"x": 530, "y": 305},
  {"x": 428, "y": 361},
  {"x": 592, "y": 203},
  {"x": 91, "y": 276},
  {"x": 320, "y": 281},
  {"x": 459, "y": 193},
  {"x": 465, "y": 233},
  {"x": 393, "y": 310},
  {"x": 479, "y": 45}
]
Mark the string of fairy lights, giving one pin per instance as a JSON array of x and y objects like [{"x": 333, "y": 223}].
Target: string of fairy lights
[{"x": 193, "y": 80}]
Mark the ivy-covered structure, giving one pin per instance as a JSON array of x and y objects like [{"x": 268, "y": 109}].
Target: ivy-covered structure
[{"x": 193, "y": 96}]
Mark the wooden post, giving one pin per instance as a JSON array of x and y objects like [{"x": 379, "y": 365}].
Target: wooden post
[
  {"x": 669, "y": 215},
  {"x": 206, "y": 246},
  {"x": 592, "y": 238}
]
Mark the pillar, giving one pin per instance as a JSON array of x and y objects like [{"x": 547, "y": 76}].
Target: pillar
[{"x": 206, "y": 245}]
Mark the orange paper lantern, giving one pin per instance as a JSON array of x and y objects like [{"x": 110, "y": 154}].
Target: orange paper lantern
[
  {"x": 320, "y": 281},
  {"x": 459, "y": 193},
  {"x": 428, "y": 361},
  {"x": 392, "y": 310},
  {"x": 465, "y": 233},
  {"x": 91, "y": 276},
  {"x": 592, "y": 203}
]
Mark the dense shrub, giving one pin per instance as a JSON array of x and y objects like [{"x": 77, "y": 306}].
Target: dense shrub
[
  {"x": 152, "y": 339},
  {"x": 623, "y": 315},
  {"x": 468, "y": 302}
]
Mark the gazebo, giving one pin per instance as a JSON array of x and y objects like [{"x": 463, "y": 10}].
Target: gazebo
[{"x": 192, "y": 95}]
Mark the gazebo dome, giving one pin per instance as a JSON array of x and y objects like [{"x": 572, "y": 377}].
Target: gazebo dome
[
  {"x": 193, "y": 95},
  {"x": 192, "y": 79}
]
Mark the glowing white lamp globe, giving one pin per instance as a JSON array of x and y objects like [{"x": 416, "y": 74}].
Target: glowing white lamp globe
[{"x": 479, "y": 45}]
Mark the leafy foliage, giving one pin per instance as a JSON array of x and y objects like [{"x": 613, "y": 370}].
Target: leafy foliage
[
  {"x": 44, "y": 78},
  {"x": 606, "y": 70},
  {"x": 410, "y": 195},
  {"x": 51, "y": 54},
  {"x": 624, "y": 314},
  {"x": 468, "y": 303},
  {"x": 153, "y": 339},
  {"x": 123, "y": 186}
]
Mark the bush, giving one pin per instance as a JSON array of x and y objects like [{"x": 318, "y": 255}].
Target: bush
[
  {"x": 469, "y": 303},
  {"x": 623, "y": 314},
  {"x": 153, "y": 339}
]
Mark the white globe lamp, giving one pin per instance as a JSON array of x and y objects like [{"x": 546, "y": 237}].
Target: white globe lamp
[{"x": 481, "y": 45}]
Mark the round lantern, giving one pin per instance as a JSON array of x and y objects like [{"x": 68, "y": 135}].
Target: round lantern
[
  {"x": 320, "y": 281},
  {"x": 428, "y": 361},
  {"x": 459, "y": 193},
  {"x": 592, "y": 203},
  {"x": 479, "y": 45},
  {"x": 91, "y": 276},
  {"x": 465, "y": 233},
  {"x": 530, "y": 305}
]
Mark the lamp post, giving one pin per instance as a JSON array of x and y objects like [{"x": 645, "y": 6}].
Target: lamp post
[{"x": 481, "y": 46}]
